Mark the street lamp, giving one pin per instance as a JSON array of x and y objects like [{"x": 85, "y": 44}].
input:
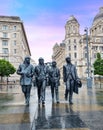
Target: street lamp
[{"x": 89, "y": 80}]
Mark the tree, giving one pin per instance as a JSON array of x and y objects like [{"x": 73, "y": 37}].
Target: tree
[
  {"x": 98, "y": 65},
  {"x": 6, "y": 68}
]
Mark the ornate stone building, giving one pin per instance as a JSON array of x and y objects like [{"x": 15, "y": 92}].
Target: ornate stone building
[
  {"x": 74, "y": 44},
  {"x": 59, "y": 55},
  {"x": 13, "y": 41}
]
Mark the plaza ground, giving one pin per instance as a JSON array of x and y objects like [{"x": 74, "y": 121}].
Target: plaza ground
[{"x": 85, "y": 114}]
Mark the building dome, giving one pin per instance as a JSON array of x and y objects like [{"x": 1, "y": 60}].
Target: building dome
[{"x": 99, "y": 15}]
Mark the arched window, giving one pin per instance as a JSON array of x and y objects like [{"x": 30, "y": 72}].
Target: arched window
[
  {"x": 75, "y": 55},
  {"x": 69, "y": 48},
  {"x": 69, "y": 41},
  {"x": 74, "y": 40},
  {"x": 75, "y": 47}
]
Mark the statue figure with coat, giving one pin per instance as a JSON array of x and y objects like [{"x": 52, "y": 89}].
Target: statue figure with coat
[
  {"x": 54, "y": 77},
  {"x": 41, "y": 75},
  {"x": 26, "y": 72},
  {"x": 69, "y": 78}
]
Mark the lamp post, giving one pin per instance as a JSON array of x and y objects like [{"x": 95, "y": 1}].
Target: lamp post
[{"x": 89, "y": 80}]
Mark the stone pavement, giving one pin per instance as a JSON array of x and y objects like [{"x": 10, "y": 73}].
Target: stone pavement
[{"x": 85, "y": 114}]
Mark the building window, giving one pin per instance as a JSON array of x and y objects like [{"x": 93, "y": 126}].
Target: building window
[
  {"x": 101, "y": 48},
  {"x": 5, "y": 50},
  {"x": 75, "y": 55},
  {"x": 69, "y": 48},
  {"x": 4, "y": 27},
  {"x": 74, "y": 40},
  {"x": 92, "y": 32},
  {"x": 14, "y": 35},
  {"x": 15, "y": 28},
  {"x": 75, "y": 47},
  {"x": 5, "y": 43},
  {"x": 5, "y": 35},
  {"x": 69, "y": 29},
  {"x": 95, "y": 47},
  {"x": 69, "y": 41},
  {"x": 14, "y": 43},
  {"x": 14, "y": 51}
]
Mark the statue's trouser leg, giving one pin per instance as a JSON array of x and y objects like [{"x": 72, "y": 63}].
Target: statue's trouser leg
[
  {"x": 24, "y": 90},
  {"x": 28, "y": 89},
  {"x": 43, "y": 90},
  {"x": 52, "y": 91},
  {"x": 56, "y": 92},
  {"x": 39, "y": 92},
  {"x": 67, "y": 89},
  {"x": 71, "y": 91}
]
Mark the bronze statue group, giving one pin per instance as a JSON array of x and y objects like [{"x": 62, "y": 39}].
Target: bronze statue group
[{"x": 51, "y": 75}]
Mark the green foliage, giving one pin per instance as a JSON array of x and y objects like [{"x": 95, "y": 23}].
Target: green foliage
[
  {"x": 98, "y": 65},
  {"x": 6, "y": 68},
  {"x": 98, "y": 56}
]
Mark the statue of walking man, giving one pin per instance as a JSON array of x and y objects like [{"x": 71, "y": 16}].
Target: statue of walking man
[
  {"x": 69, "y": 77},
  {"x": 41, "y": 74},
  {"x": 26, "y": 71},
  {"x": 54, "y": 76}
]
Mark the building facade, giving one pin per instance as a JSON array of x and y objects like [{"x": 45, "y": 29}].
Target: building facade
[
  {"x": 59, "y": 56},
  {"x": 75, "y": 44},
  {"x": 13, "y": 41}
]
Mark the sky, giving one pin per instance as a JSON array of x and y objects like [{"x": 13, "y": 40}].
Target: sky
[{"x": 44, "y": 20}]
